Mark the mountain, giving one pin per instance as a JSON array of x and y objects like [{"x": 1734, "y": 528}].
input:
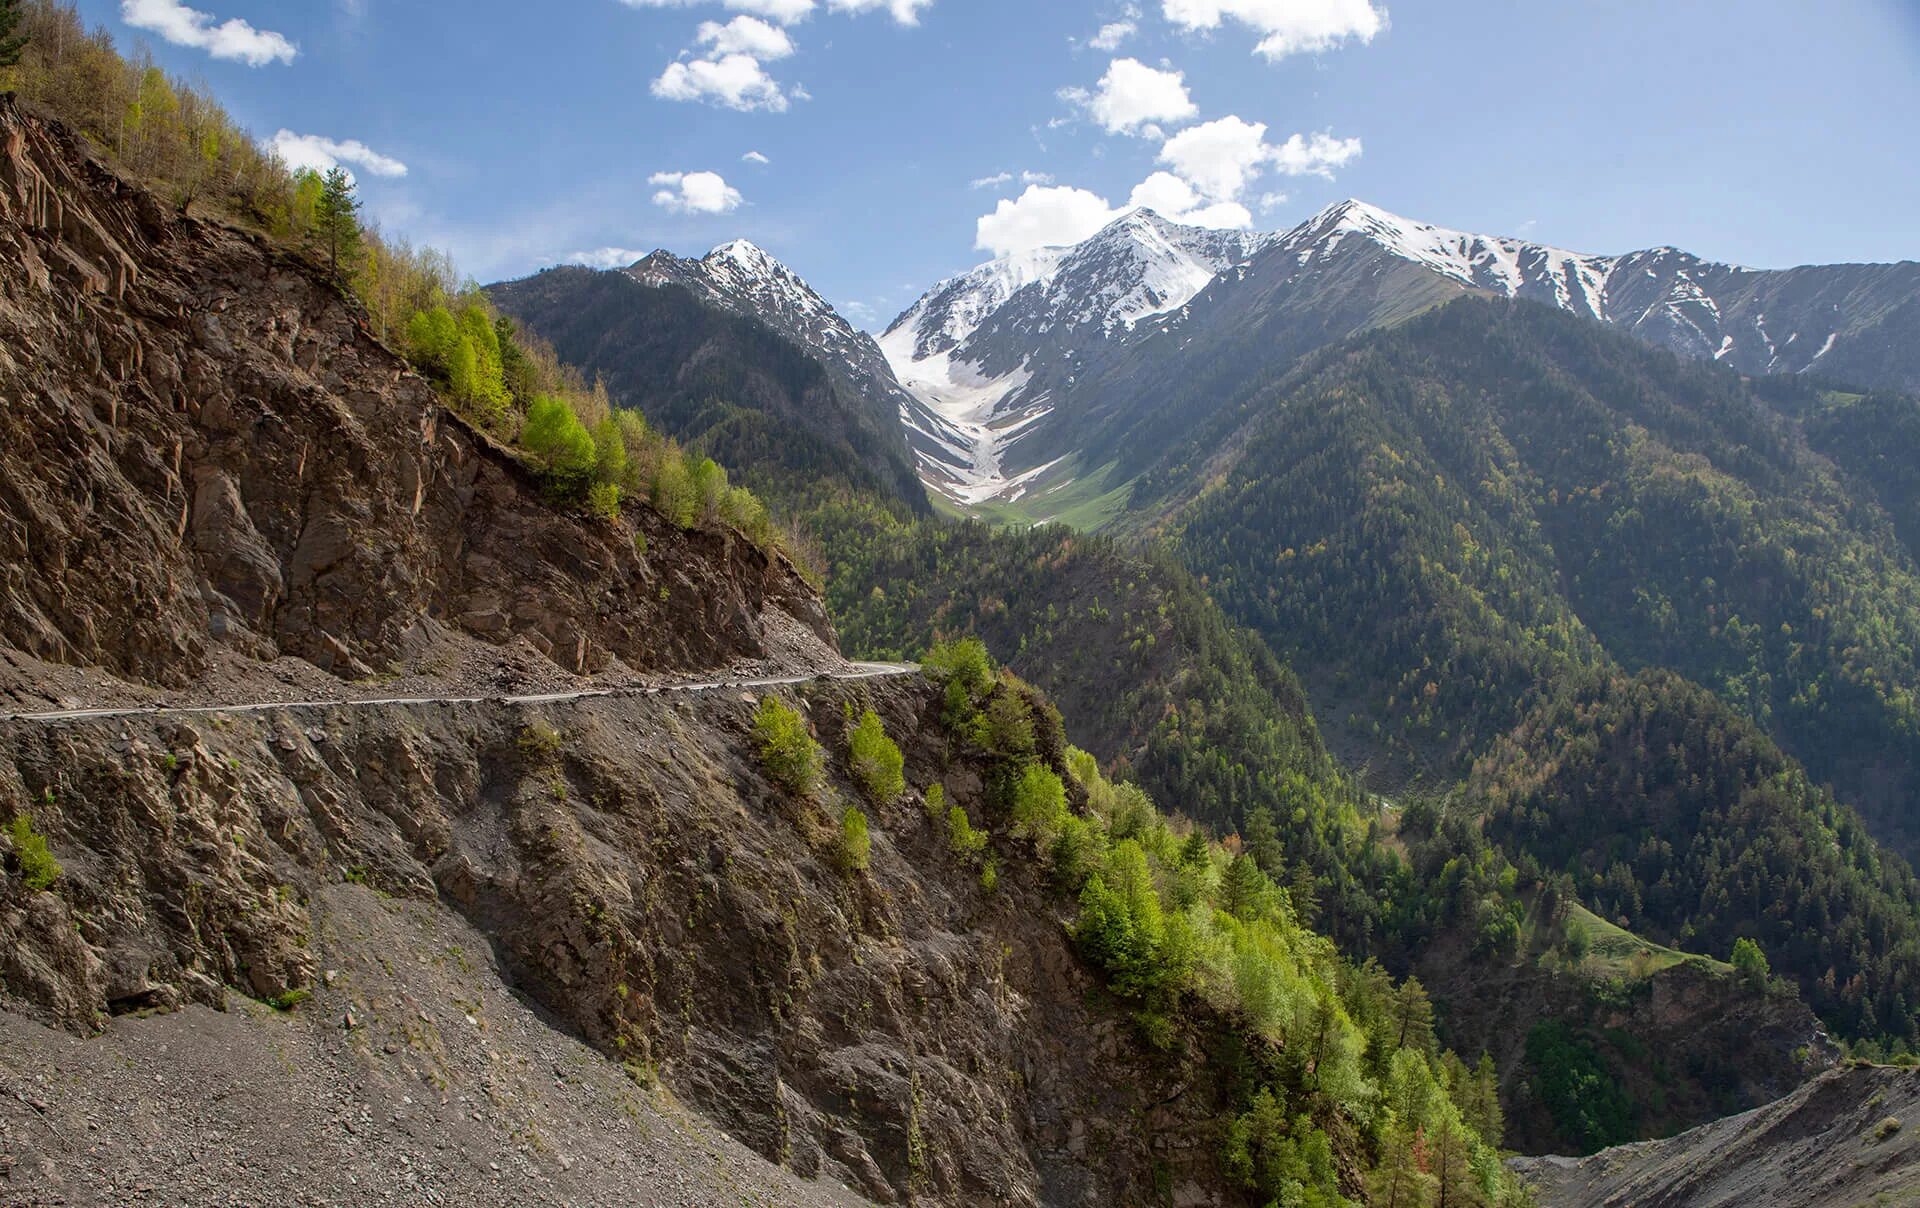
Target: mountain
[
  {"x": 991, "y": 351},
  {"x": 735, "y": 353},
  {"x": 1073, "y": 365},
  {"x": 1452, "y": 526}
]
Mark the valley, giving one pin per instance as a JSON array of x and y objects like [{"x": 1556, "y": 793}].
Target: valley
[{"x": 1191, "y": 716}]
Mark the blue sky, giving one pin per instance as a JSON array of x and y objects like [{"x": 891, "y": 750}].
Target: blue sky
[{"x": 1766, "y": 132}]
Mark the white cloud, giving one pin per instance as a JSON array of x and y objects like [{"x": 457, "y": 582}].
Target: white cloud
[
  {"x": 736, "y": 81},
  {"x": 1218, "y": 157},
  {"x": 906, "y": 12},
  {"x": 1315, "y": 155},
  {"x": 1044, "y": 216},
  {"x": 606, "y": 257},
  {"x": 785, "y": 12},
  {"x": 1112, "y": 35},
  {"x": 695, "y": 193},
  {"x": 1273, "y": 201},
  {"x": 1286, "y": 27},
  {"x": 1005, "y": 178},
  {"x": 230, "y": 39},
  {"x": 748, "y": 36},
  {"x": 1057, "y": 216},
  {"x": 1133, "y": 96},
  {"x": 1175, "y": 199},
  {"x": 754, "y": 157},
  {"x": 323, "y": 154},
  {"x": 1222, "y": 157}
]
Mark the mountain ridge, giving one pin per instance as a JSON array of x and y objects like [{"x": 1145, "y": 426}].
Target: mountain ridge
[{"x": 1046, "y": 389}]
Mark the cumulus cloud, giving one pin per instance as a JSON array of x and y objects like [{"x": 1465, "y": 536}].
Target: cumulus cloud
[
  {"x": 748, "y": 36},
  {"x": 231, "y": 39},
  {"x": 1175, "y": 199},
  {"x": 754, "y": 157},
  {"x": 736, "y": 81},
  {"x": 606, "y": 257},
  {"x": 1055, "y": 216},
  {"x": 695, "y": 193},
  {"x": 906, "y": 12},
  {"x": 1133, "y": 97},
  {"x": 1286, "y": 27},
  {"x": 1113, "y": 34},
  {"x": 321, "y": 154},
  {"x": 1315, "y": 154},
  {"x": 1043, "y": 216},
  {"x": 785, "y": 12},
  {"x": 1222, "y": 157}
]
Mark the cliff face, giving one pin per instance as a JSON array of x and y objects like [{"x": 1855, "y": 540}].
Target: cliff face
[
  {"x": 204, "y": 454},
  {"x": 901, "y": 1031}
]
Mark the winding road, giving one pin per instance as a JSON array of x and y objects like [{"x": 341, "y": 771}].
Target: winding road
[{"x": 853, "y": 671}]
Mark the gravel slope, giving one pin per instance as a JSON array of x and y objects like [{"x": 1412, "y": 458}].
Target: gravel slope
[
  {"x": 1849, "y": 1137},
  {"x": 413, "y": 1077}
]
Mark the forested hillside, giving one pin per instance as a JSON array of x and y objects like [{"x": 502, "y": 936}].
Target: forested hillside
[
  {"x": 1668, "y": 811},
  {"x": 1439, "y": 522},
  {"x": 724, "y": 381}
]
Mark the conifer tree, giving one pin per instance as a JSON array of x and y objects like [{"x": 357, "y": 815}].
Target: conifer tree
[
  {"x": 337, "y": 220},
  {"x": 11, "y": 42}
]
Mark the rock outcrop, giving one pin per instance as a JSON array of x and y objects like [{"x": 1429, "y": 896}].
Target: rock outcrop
[{"x": 203, "y": 451}]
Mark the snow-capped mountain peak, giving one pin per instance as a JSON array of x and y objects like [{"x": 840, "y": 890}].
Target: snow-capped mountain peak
[
  {"x": 1511, "y": 267},
  {"x": 986, "y": 351}
]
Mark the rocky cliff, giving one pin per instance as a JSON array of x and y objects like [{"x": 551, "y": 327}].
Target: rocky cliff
[{"x": 207, "y": 464}]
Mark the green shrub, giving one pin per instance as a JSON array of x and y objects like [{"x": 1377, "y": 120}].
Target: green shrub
[
  {"x": 967, "y": 843},
  {"x": 937, "y": 801},
  {"x": 539, "y": 743},
  {"x": 289, "y": 1000},
  {"x": 38, "y": 868},
  {"x": 1886, "y": 1128},
  {"x": 603, "y": 500},
  {"x": 856, "y": 847},
  {"x": 787, "y": 750},
  {"x": 875, "y": 760}
]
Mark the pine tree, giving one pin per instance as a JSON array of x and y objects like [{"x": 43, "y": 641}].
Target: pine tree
[
  {"x": 11, "y": 43},
  {"x": 336, "y": 220},
  {"x": 1413, "y": 1017}
]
